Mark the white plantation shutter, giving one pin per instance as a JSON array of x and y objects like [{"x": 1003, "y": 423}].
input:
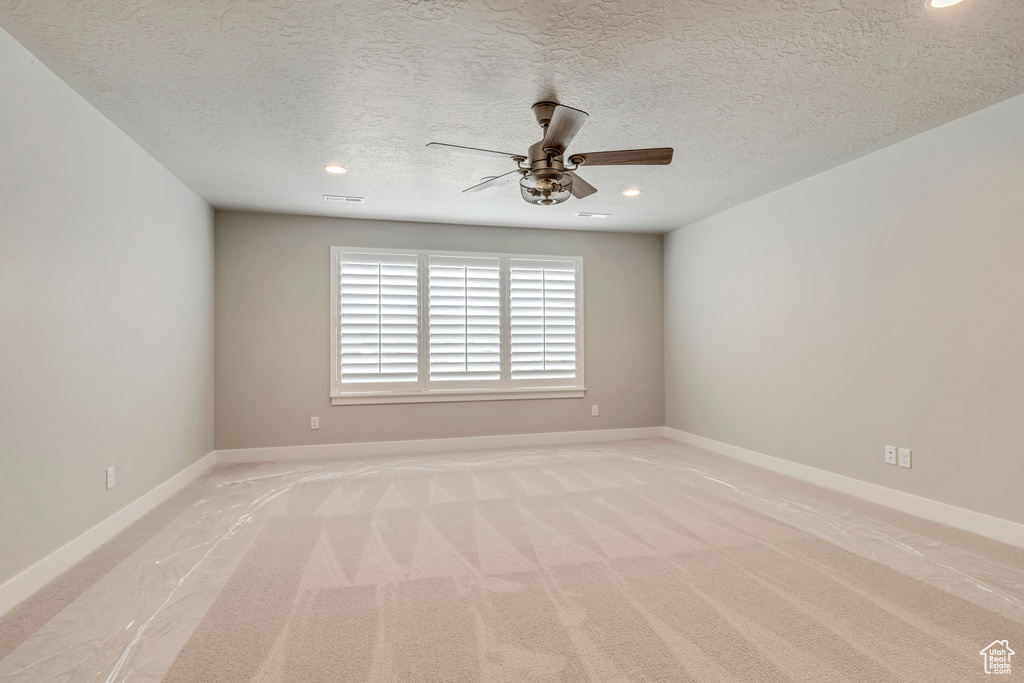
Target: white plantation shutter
[
  {"x": 464, "y": 318},
  {"x": 417, "y": 326},
  {"x": 377, "y": 318},
  {"x": 542, "y": 299}
]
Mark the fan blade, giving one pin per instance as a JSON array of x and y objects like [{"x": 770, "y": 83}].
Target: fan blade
[
  {"x": 493, "y": 182},
  {"x": 655, "y": 156},
  {"x": 474, "y": 150},
  {"x": 580, "y": 187},
  {"x": 564, "y": 125}
]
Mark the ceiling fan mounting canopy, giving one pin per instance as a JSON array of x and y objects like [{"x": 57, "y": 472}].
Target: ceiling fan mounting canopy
[
  {"x": 543, "y": 112},
  {"x": 545, "y": 180}
]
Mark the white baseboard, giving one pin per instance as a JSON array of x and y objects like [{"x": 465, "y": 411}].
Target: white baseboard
[
  {"x": 979, "y": 523},
  {"x": 374, "y": 448},
  {"x": 21, "y": 586}
]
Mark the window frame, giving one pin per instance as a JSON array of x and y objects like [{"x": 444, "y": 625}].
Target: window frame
[{"x": 434, "y": 391}]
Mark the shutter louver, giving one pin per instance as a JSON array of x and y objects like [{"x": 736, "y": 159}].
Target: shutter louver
[
  {"x": 543, "y": 319},
  {"x": 378, "y": 318},
  {"x": 465, "y": 318}
]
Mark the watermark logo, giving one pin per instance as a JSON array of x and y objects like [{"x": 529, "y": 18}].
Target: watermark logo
[{"x": 997, "y": 657}]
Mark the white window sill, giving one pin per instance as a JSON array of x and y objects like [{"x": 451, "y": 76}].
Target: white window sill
[{"x": 453, "y": 396}]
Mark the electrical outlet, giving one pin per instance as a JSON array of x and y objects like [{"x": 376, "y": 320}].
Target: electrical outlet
[
  {"x": 314, "y": 423},
  {"x": 890, "y": 455},
  {"x": 904, "y": 457},
  {"x": 110, "y": 478},
  {"x": 593, "y": 410}
]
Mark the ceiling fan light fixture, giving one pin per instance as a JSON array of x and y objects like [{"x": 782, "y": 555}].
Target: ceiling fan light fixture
[
  {"x": 545, "y": 188},
  {"x": 335, "y": 169},
  {"x": 631, "y": 192}
]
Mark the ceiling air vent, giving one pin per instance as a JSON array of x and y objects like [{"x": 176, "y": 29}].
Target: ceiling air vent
[
  {"x": 587, "y": 214},
  {"x": 340, "y": 198}
]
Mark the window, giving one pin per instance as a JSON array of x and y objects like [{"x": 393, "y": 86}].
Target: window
[
  {"x": 465, "y": 319},
  {"x": 379, "y": 320},
  {"x": 543, "y": 320},
  {"x": 429, "y": 326}
]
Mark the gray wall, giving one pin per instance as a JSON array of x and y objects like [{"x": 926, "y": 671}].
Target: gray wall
[
  {"x": 273, "y": 333},
  {"x": 106, "y": 316},
  {"x": 881, "y": 302}
]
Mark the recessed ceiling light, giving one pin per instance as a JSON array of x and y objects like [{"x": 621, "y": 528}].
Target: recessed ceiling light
[
  {"x": 941, "y": 4},
  {"x": 334, "y": 168},
  {"x": 631, "y": 193},
  {"x": 587, "y": 214}
]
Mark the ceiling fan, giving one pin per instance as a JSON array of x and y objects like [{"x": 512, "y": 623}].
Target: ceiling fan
[{"x": 546, "y": 179}]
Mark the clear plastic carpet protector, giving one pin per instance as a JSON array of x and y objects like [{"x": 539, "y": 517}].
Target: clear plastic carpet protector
[{"x": 132, "y": 623}]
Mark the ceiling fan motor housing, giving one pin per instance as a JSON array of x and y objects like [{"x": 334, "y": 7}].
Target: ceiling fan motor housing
[{"x": 546, "y": 182}]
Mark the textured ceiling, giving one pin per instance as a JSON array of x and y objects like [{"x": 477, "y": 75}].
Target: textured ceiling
[{"x": 246, "y": 100}]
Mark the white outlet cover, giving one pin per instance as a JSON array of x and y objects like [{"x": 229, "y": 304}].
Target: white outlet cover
[
  {"x": 593, "y": 410},
  {"x": 314, "y": 423},
  {"x": 110, "y": 478},
  {"x": 904, "y": 457},
  {"x": 890, "y": 455}
]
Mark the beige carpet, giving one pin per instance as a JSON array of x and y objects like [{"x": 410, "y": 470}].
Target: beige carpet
[{"x": 581, "y": 565}]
